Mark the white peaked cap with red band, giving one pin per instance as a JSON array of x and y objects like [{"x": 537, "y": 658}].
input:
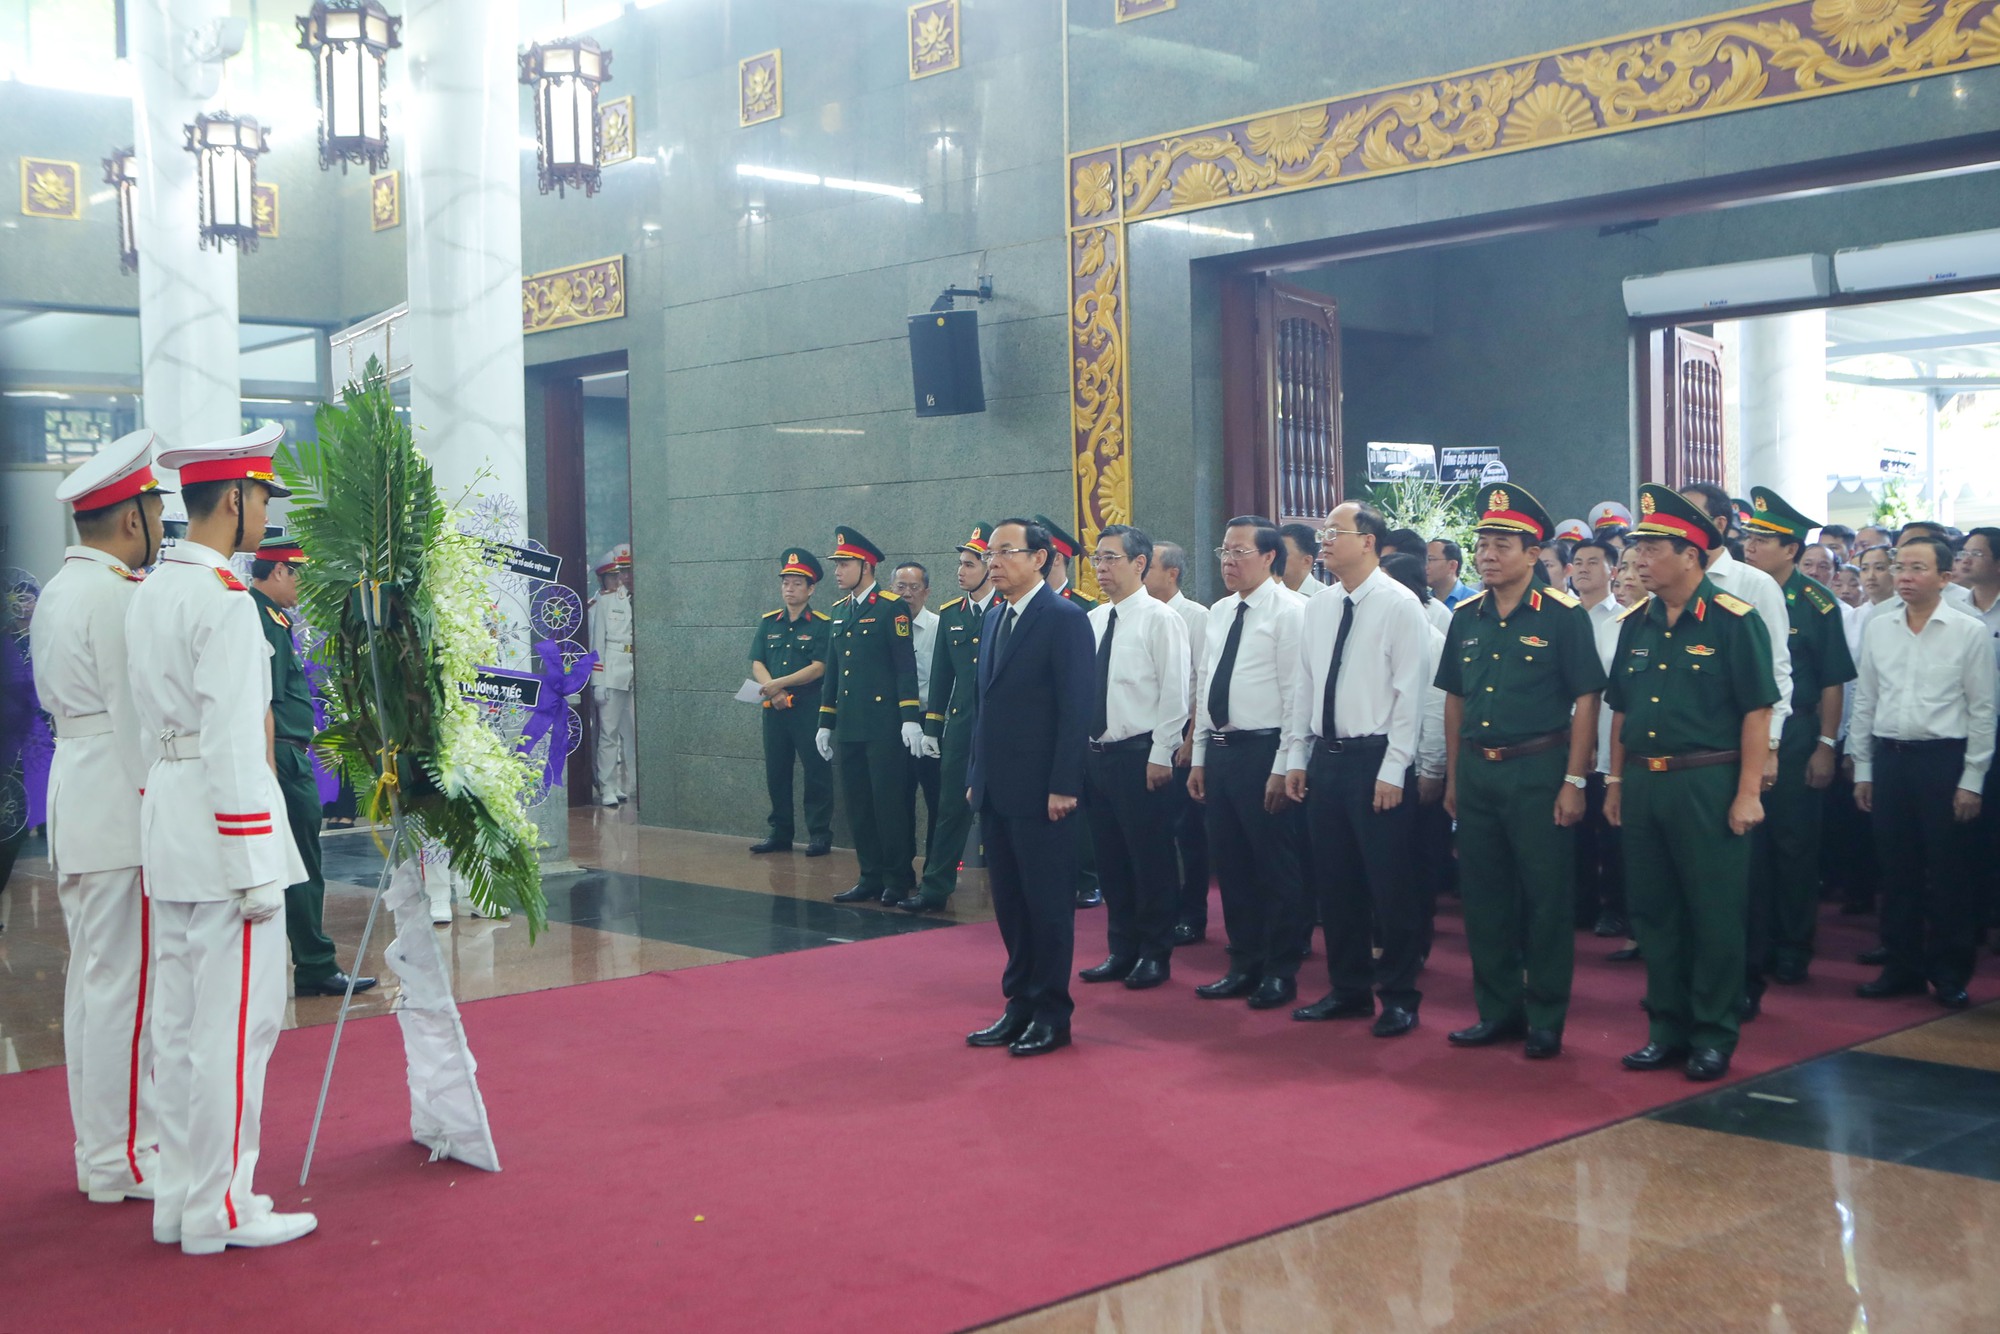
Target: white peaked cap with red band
[
  {"x": 119, "y": 471},
  {"x": 1573, "y": 530},
  {"x": 618, "y": 558},
  {"x": 246, "y": 458}
]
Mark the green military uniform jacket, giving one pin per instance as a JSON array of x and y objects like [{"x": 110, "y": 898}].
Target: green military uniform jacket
[
  {"x": 871, "y": 669},
  {"x": 291, "y": 698},
  {"x": 1519, "y": 677},
  {"x": 954, "y": 700},
  {"x": 785, "y": 646},
  {"x": 1819, "y": 654},
  {"x": 1687, "y": 688},
  {"x": 1069, "y": 592}
]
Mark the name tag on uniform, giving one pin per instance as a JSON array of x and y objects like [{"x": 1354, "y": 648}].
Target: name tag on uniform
[{"x": 867, "y": 620}]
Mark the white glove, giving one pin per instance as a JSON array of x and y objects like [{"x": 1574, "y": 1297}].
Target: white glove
[
  {"x": 913, "y": 739},
  {"x": 823, "y": 742},
  {"x": 262, "y": 903},
  {"x": 931, "y": 750}
]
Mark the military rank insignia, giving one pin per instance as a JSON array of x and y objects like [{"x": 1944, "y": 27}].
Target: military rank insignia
[
  {"x": 903, "y": 627},
  {"x": 230, "y": 581}
]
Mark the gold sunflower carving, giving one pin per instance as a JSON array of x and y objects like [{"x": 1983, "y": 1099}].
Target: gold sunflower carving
[
  {"x": 1092, "y": 190},
  {"x": 1547, "y": 113},
  {"x": 760, "y": 90},
  {"x": 933, "y": 39},
  {"x": 1201, "y": 183},
  {"x": 1866, "y": 26},
  {"x": 1288, "y": 137}
]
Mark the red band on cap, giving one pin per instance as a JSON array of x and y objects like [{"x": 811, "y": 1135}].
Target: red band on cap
[
  {"x": 281, "y": 553},
  {"x": 847, "y": 552},
  {"x": 1067, "y": 551},
  {"x": 1701, "y": 536},
  {"x": 123, "y": 489},
  {"x": 795, "y": 568},
  {"x": 229, "y": 470},
  {"x": 1513, "y": 519}
]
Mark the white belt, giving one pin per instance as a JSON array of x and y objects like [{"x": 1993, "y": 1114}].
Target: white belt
[
  {"x": 71, "y": 726},
  {"x": 180, "y": 745}
]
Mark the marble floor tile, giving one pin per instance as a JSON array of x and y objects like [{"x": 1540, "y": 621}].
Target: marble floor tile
[{"x": 1971, "y": 1038}]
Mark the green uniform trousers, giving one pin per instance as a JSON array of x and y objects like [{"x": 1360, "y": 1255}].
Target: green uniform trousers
[
  {"x": 875, "y": 779},
  {"x": 1686, "y": 878},
  {"x": 946, "y": 848},
  {"x": 788, "y": 736},
  {"x": 1517, "y": 874},
  {"x": 1784, "y": 884},
  {"x": 305, "y": 902}
]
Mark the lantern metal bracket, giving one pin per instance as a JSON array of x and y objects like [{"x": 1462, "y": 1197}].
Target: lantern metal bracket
[{"x": 984, "y": 292}]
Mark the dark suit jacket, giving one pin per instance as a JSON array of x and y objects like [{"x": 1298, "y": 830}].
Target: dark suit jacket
[{"x": 1034, "y": 708}]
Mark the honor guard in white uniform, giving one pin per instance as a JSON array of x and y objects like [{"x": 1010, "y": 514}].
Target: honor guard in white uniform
[
  {"x": 217, "y": 854},
  {"x": 78, "y": 646},
  {"x": 611, "y": 678}
]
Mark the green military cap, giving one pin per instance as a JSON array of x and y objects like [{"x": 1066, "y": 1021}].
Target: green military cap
[
  {"x": 849, "y": 544},
  {"x": 982, "y": 533},
  {"x": 1742, "y": 508},
  {"x": 799, "y": 561},
  {"x": 1772, "y": 513},
  {"x": 1065, "y": 544},
  {"x": 1507, "y": 508},
  {"x": 1665, "y": 512},
  {"x": 282, "y": 549}
]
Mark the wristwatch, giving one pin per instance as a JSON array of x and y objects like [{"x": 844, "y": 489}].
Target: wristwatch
[{"x": 1574, "y": 780}]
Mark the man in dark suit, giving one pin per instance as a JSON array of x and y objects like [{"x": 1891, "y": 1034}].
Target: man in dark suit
[{"x": 1025, "y": 776}]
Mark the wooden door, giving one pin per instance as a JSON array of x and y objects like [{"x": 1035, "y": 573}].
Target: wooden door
[
  {"x": 1683, "y": 408},
  {"x": 1298, "y": 472}
]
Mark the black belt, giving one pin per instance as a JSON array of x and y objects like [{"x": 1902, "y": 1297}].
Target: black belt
[
  {"x": 1354, "y": 745},
  {"x": 1238, "y": 737},
  {"x": 1144, "y": 741},
  {"x": 1929, "y": 743}
]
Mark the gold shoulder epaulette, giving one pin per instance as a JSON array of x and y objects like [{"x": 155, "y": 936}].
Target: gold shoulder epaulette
[
  {"x": 769, "y": 614},
  {"x": 1468, "y": 601},
  {"x": 1819, "y": 597},
  {"x": 1562, "y": 597},
  {"x": 821, "y": 616},
  {"x": 1729, "y": 602},
  {"x": 844, "y": 601},
  {"x": 1637, "y": 606},
  {"x": 953, "y": 605},
  {"x": 888, "y": 596}
]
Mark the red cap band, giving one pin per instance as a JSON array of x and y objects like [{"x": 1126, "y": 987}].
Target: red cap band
[
  {"x": 1511, "y": 519},
  {"x": 124, "y": 488},
  {"x": 846, "y": 552},
  {"x": 1700, "y": 535},
  {"x": 796, "y": 568},
  {"x": 281, "y": 553},
  {"x": 229, "y": 470}
]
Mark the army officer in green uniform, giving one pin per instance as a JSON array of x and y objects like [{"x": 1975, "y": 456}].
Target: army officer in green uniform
[
  {"x": 948, "y": 719},
  {"x": 1089, "y": 894},
  {"x": 787, "y": 659},
  {"x": 1521, "y": 679},
  {"x": 1691, "y": 691},
  {"x": 1784, "y": 875},
  {"x": 870, "y": 702},
  {"x": 275, "y": 588}
]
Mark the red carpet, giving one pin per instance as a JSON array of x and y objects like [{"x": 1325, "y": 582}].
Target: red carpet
[{"x": 804, "y": 1143}]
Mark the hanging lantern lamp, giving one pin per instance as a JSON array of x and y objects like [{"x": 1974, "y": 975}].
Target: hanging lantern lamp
[
  {"x": 565, "y": 75},
  {"x": 350, "y": 41},
  {"x": 121, "y": 170},
  {"x": 226, "y": 149}
]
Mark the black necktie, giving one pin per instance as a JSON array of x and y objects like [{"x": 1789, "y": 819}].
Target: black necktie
[
  {"x": 1101, "y": 720},
  {"x": 1225, "y": 667},
  {"x": 1326, "y": 730},
  {"x": 1000, "y": 641}
]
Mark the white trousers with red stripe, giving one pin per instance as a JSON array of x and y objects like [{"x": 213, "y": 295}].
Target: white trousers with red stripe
[
  {"x": 107, "y": 1036},
  {"x": 218, "y": 1002}
]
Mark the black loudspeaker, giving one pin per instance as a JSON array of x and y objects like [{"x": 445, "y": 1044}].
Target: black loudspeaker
[{"x": 944, "y": 363}]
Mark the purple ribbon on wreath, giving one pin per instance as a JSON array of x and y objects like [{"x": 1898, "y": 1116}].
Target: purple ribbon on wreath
[{"x": 552, "y": 707}]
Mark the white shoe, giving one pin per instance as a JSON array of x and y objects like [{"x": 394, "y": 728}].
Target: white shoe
[
  {"x": 131, "y": 1190},
  {"x": 169, "y": 1234},
  {"x": 266, "y": 1230}
]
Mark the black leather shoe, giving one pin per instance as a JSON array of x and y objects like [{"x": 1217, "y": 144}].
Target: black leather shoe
[
  {"x": 1334, "y": 1006},
  {"x": 893, "y": 898},
  {"x": 1948, "y": 995},
  {"x": 1394, "y": 1022},
  {"x": 1090, "y": 898},
  {"x": 1543, "y": 1043},
  {"x": 1891, "y": 983},
  {"x": 1000, "y": 1033},
  {"x": 1706, "y": 1063},
  {"x": 920, "y": 904},
  {"x": 1487, "y": 1032},
  {"x": 1630, "y": 954},
  {"x": 772, "y": 845},
  {"x": 1147, "y": 974},
  {"x": 1188, "y": 935},
  {"x": 818, "y": 849},
  {"x": 337, "y": 986},
  {"x": 1273, "y": 992},
  {"x": 1113, "y": 969},
  {"x": 1039, "y": 1038},
  {"x": 1610, "y": 925},
  {"x": 1653, "y": 1056},
  {"x": 1874, "y": 958},
  {"x": 1789, "y": 972},
  {"x": 1749, "y": 1007},
  {"x": 858, "y": 894},
  {"x": 1230, "y": 986}
]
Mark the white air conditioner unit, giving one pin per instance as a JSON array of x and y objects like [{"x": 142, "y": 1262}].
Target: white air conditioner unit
[
  {"x": 1931, "y": 259},
  {"x": 1758, "y": 282}
]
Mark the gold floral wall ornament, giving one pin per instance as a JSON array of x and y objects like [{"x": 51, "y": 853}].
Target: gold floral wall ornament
[
  {"x": 760, "y": 88},
  {"x": 580, "y": 294},
  {"x": 385, "y": 201},
  {"x": 1126, "y": 10},
  {"x": 934, "y": 44},
  {"x": 264, "y": 209},
  {"x": 617, "y": 131},
  {"x": 1762, "y": 56},
  {"x": 51, "y": 189}
]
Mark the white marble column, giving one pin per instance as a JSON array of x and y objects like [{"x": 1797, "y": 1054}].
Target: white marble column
[
  {"x": 187, "y": 295},
  {"x": 462, "y": 213},
  {"x": 1782, "y": 382}
]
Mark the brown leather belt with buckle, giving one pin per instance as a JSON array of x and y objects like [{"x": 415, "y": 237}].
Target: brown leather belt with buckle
[
  {"x": 1695, "y": 759},
  {"x": 1532, "y": 746}
]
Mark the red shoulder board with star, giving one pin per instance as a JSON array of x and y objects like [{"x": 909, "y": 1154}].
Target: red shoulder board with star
[
  {"x": 127, "y": 575},
  {"x": 230, "y": 581}
]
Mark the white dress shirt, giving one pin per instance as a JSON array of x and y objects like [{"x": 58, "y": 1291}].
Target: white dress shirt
[
  {"x": 1990, "y": 618},
  {"x": 1761, "y": 591},
  {"x": 1388, "y": 664},
  {"x": 1606, "y": 630},
  {"x": 1309, "y": 587},
  {"x": 1931, "y": 685},
  {"x": 1438, "y": 615},
  {"x": 923, "y": 638},
  {"x": 1149, "y": 673},
  {"x": 1260, "y": 688},
  {"x": 1430, "y": 737}
]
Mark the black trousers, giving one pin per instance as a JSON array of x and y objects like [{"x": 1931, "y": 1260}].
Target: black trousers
[
  {"x": 1135, "y": 863},
  {"x": 1366, "y": 882},
  {"x": 1256, "y": 861},
  {"x": 1031, "y": 873},
  {"x": 1929, "y": 922},
  {"x": 1600, "y": 865},
  {"x": 1847, "y": 842},
  {"x": 1191, "y": 841},
  {"x": 1436, "y": 868},
  {"x": 924, "y": 773},
  {"x": 313, "y": 960}
]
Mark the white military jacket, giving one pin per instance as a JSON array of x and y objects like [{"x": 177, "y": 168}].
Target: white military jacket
[
  {"x": 212, "y": 823},
  {"x": 611, "y": 640},
  {"x": 78, "y": 646}
]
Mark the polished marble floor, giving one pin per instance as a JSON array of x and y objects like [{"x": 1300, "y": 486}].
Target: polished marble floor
[{"x": 1860, "y": 1191}]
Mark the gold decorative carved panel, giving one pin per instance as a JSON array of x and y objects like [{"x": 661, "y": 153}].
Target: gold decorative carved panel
[
  {"x": 760, "y": 88},
  {"x": 51, "y": 189},
  {"x": 618, "y": 131},
  {"x": 385, "y": 201},
  {"x": 933, "y": 38},
  {"x": 264, "y": 209},
  {"x": 580, "y": 294}
]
